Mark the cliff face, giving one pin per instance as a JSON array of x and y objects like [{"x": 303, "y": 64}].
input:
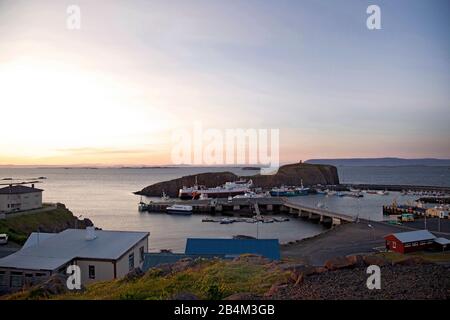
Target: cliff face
[{"x": 291, "y": 174}]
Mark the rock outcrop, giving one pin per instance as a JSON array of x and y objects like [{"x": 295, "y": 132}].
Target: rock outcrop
[{"x": 290, "y": 174}]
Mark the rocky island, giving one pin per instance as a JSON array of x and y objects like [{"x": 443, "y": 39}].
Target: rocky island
[{"x": 290, "y": 174}]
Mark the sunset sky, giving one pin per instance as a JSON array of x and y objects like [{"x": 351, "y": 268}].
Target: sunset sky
[{"x": 114, "y": 91}]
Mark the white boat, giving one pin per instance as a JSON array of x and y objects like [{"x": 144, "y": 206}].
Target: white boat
[
  {"x": 250, "y": 195},
  {"x": 227, "y": 190},
  {"x": 226, "y": 221},
  {"x": 179, "y": 209},
  {"x": 383, "y": 193}
]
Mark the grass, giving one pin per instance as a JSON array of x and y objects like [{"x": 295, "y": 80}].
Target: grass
[
  {"x": 20, "y": 227},
  {"x": 212, "y": 279},
  {"x": 428, "y": 256}
]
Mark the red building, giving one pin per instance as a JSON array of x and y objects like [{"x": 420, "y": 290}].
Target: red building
[{"x": 411, "y": 241}]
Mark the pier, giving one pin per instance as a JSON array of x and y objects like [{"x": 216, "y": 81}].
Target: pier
[{"x": 247, "y": 208}]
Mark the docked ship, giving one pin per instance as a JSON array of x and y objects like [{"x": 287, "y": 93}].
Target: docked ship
[
  {"x": 283, "y": 192},
  {"x": 229, "y": 189},
  {"x": 301, "y": 191},
  {"x": 179, "y": 209}
]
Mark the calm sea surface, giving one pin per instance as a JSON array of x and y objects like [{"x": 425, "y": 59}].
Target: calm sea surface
[{"x": 105, "y": 196}]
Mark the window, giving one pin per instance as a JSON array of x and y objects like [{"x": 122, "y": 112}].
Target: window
[
  {"x": 415, "y": 244},
  {"x": 16, "y": 280},
  {"x": 141, "y": 253},
  {"x": 131, "y": 261},
  {"x": 394, "y": 244},
  {"x": 91, "y": 272},
  {"x": 3, "y": 280}
]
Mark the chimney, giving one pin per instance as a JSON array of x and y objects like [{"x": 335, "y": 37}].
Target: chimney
[
  {"x": 90, "y": 233},
  {"x": 32, "y": 186}
]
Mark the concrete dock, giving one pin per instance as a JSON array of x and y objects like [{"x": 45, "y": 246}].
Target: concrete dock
[{"x": 247, "y": 208}]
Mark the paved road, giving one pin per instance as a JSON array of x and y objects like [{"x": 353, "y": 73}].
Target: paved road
[
  {"x": 350, "y": 238},
  {"x": 7, "y": 249}
]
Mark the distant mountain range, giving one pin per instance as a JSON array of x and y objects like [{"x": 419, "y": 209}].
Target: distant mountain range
[{"x": 389, "y": 162}]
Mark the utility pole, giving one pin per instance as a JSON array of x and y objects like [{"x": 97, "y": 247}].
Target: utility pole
[{"x": 425, "y": 215}]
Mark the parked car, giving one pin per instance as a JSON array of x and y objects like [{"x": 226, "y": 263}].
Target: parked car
[{"x": 3, "y": 238}]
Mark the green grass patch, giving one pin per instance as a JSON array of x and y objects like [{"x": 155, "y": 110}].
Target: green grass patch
[
  {"x": 20, "y": 227},
  {"x": 428, "y": 256},
  {"x": 214, "y": 279}
]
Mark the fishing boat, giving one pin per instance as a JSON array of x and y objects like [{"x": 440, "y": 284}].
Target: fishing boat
[
  {"x": 179, "y": 209},
  {"x": 301, "y": 191},
  {"x": 283, "y": 192},
  {"x": 229, "y": 189},
  {"x": 142, "y": 206}
]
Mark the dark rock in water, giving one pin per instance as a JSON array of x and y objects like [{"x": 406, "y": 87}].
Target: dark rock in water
[{"x": 290, "y": 174}]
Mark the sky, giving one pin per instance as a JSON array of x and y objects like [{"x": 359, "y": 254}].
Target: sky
[{"x": 114, "y": 91}]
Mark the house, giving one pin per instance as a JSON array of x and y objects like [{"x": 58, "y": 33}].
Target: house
[
  {"x": 15, "y": 198},
  {"x": 438, "y": 212},
  {"x": 410, "y": 241},
  {"x": 268, "y": 248},
  {"x": 442, "y": 244},
  {"x": 101, "y": 256}
]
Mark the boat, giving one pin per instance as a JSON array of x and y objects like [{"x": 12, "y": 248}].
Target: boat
[
  {"x": 331, "y": 193},
  {"x": 280, "y": 219},
  {"x": 142, "y": 206},
  {"x": 283, "y": 192},
  {"x": 179, "y": 209},
  {"x": 355, "y": 194},
  {"x": 226, "y": 221},
  {"x": 164, "y": 197},
  {"x": 301, "y": 191},
  {"x": 250, "y": 195},
  {"x": 383, "y": 193},
  {"x": 229, "y": 189},
  {"x": 319, "y": 191}
]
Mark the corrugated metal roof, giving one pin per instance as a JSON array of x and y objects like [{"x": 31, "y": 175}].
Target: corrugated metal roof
[
  {"x": 36, "y": 238},
  {"x": 62, "y": 247},
  {"x": 412, "y": 236},
  {"x": 268, "y": 248},
  {"x": 442, "y": 241}
]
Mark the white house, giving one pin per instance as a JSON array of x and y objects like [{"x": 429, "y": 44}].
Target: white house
[
  {"x": 101, "y": 256},
  {"x": 15, "y": 198}
]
